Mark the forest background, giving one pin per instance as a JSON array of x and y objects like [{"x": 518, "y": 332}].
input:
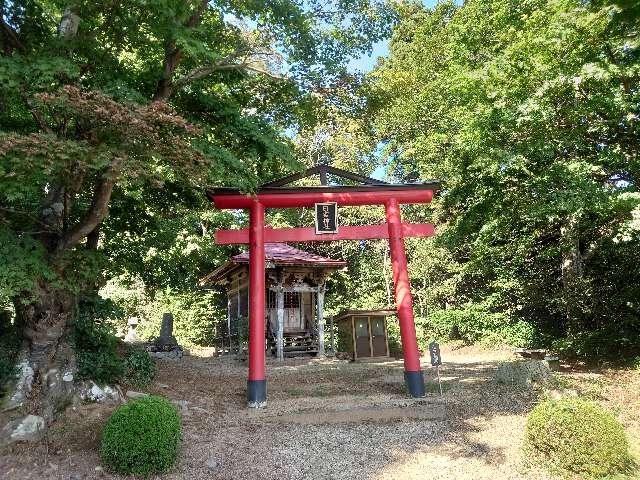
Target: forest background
[{"x": 114, "y": 120}]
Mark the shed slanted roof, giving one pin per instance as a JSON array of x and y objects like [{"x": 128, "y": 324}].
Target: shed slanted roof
[
  {"x": 283, "y": 254},
  {"x": 347, "y": 314}
]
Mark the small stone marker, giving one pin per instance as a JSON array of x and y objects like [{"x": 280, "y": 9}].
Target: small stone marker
[
  {"x": 436, "y": 360},
  {"x": 166, "y": 346},
  {"x": 434, "y": 351}
]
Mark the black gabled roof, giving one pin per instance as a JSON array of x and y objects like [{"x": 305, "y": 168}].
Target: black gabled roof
[
  {"x": 323, "y": 170},
  {"x": 366, "y": 183}
]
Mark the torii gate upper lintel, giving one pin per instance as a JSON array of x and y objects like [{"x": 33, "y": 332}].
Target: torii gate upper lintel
[{"x": 278, "y": 195}]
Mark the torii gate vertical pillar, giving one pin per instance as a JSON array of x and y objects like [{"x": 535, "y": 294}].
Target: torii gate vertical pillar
[
  {"x": 412, "y": 373},
  {"x": 257, "y": 383}
]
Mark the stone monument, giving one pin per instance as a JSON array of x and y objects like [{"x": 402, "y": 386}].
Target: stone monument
[{"x": 166, "y": 346}]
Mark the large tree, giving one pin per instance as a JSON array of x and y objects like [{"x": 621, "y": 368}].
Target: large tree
[
  {"x": 122, "y": 104},
  {"x": 528, "y": 111}
]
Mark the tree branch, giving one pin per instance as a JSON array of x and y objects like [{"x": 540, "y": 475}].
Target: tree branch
[
  {"x": 93, "y": 238},
  {"x": 173, "y": 55},
  {"x": 11, "y": 35},
  {"x": 201, "y": 72},
  {"x": 97, "y": 211},
  {"x": 37, "y": 116}
]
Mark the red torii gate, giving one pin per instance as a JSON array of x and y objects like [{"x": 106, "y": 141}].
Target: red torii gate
[{"x": 277, "y": 195}]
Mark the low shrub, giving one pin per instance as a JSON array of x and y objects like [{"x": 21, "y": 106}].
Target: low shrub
[
  {"x": 101, "y": 356},
  {"x": 139, "y": 367},
  {"x": 103, "y": 367},
  {"x": 605, "y": 343},
  {"x": 577, "y": 436},
  {"x": 141, "y": 437},
  {"x": 475, "y": 323}
]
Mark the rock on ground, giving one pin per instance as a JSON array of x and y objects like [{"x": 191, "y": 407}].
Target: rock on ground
[
  {"x": 22, "y": 387},
  {"x": 92, "y": 392},
  {"x": 23, "y": 429},
  {"x": 523, "y": 373}
]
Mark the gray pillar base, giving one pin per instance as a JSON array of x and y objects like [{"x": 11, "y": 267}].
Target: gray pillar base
[
  {"x": 256, "y": 393},
  {"x": 415, "y": 383}
]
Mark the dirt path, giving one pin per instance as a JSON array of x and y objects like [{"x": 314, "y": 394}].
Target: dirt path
[{"x": 324, "y": 420}]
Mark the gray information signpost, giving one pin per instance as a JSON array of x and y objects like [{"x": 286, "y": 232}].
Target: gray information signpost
[{"x": 436, "y": 360}]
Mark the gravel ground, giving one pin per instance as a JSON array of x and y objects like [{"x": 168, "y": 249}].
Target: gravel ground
[{"x": 326, "y": 420}]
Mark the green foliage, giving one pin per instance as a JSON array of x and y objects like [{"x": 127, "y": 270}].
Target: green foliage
[
  {"x": 95, "y": 342},
  {"x": 194, "y": 315},
  {"x": 195, "y": 311},
  {"x": 344, "y": 340},
  {"x": 474, "y": 323},
  {"x": 141, "y": 437},
  {"x": 609, "y": 342},
  {"x": 100, "y": 355},
  {"x": 9, "y": 346},
  {"x": 93, "y": 329},
  {"x": 103, "y": 367},
  {"x": 527, "y": 111},
  {"x": 395, "y": 342},
  {"x": 139, "y": 367},
  {"x": 578, "y": 437},
  {"x": 135, "y": 113},
  {"x": 243, "y": 331}
]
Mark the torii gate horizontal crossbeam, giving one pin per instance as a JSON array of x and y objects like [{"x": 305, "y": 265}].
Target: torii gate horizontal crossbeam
[
  {"x": 346, "y": 196},
  {"x": 361, "y": 232}
]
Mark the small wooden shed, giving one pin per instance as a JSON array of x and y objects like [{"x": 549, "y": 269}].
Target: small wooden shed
[{"x": 364, "y": 332}]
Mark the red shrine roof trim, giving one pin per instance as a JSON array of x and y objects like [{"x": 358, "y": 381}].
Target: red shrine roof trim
[
  {"x": 277, "y": 254},
  {"x": 284, "y": 254}
]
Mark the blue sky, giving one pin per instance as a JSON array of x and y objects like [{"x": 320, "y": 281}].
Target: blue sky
[{"x": 365, "y": 63}]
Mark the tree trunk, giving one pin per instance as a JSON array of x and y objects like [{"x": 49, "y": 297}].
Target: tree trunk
[
  {"x": 571, "y": 270},
  {"x": 46, "y": 362}
]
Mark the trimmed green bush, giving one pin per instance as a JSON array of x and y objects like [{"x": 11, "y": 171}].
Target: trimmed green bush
[
  {"x": 577, "y": 436},
  {"x": 141, "y": 437}
]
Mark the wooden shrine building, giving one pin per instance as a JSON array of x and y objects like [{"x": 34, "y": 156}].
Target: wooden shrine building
[{"x": 294, "y": 299}]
